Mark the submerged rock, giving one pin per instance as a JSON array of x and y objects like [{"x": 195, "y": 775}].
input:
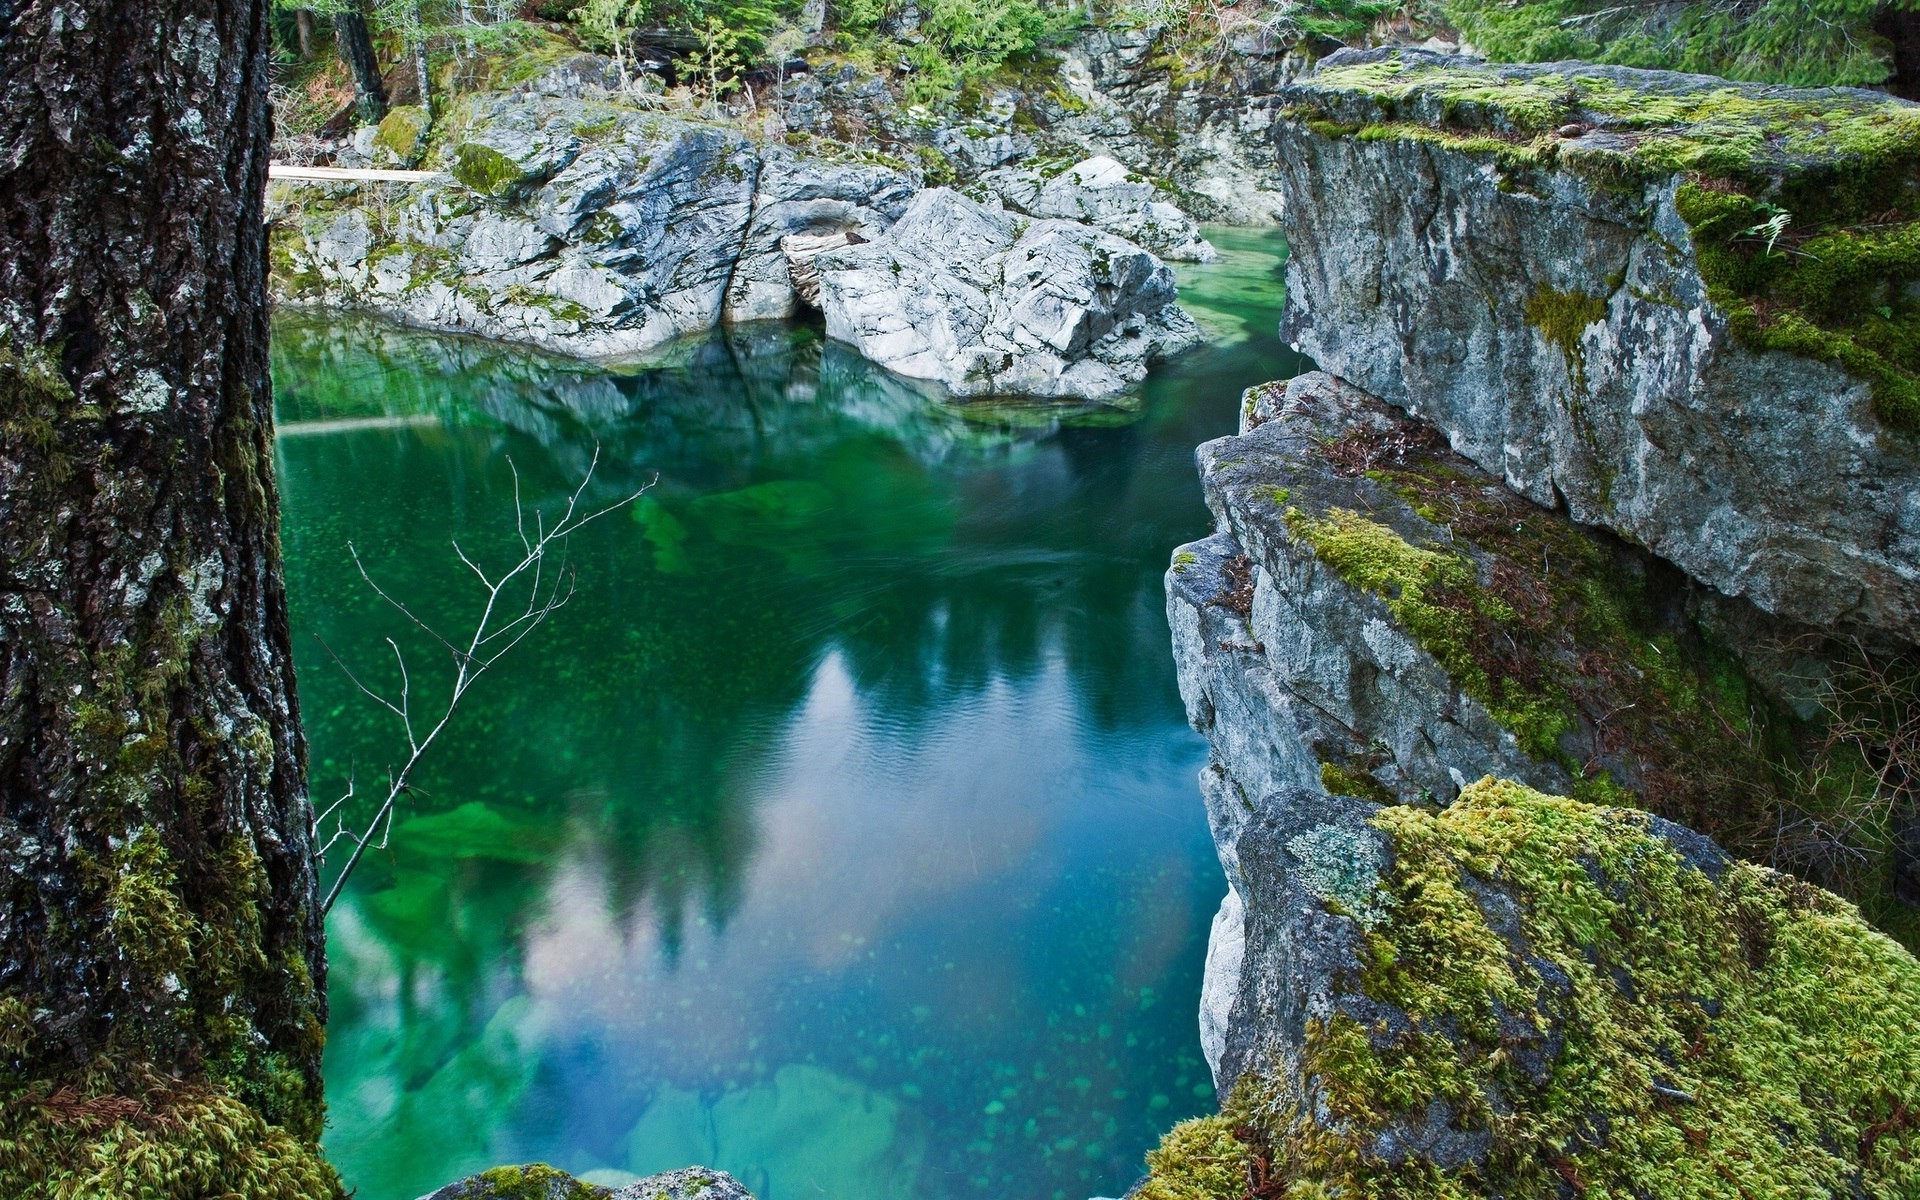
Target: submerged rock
[
  {"x": 990, "y": 303},
  {"x": 537, "y": 1181},
  {"x": 1680, "y": 307}
]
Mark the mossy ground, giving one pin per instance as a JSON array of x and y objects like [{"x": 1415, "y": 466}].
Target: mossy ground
[
  {"x": 1629, "y": 1025},
  {"x": 1839, "y": 172}
]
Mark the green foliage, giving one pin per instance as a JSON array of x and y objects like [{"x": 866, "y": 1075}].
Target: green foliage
[
  {"x": 1809, "y": 43},
  {"x": 1780, "y": 1049},
  {"x": 962, "y": 43}
]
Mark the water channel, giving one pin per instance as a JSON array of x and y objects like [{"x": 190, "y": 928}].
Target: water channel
[{"x": 840, "y": 832}]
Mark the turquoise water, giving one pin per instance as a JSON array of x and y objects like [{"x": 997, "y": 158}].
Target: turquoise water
[{"x": 841, "y": 832}]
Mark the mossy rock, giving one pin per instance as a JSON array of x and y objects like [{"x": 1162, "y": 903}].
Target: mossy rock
[
  {"x": 402, "y": 134},
  {"x": 538, "y": 1181},
  {"x": 1803, "y": 204},
  {"x": 1542, "y": 998},
  {"x": 485, "y": 170},
  {"x": 1560, "y": 655}
]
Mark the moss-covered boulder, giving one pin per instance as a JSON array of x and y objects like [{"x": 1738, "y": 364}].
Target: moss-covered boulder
[
  {"x": 1521, "y": 995},
  {"x": 401, "y": 139},
  {"x": 1683, "y": 308}
]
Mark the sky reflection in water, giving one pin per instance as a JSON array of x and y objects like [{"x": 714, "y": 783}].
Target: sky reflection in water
[{"x": 840, "y": 833}]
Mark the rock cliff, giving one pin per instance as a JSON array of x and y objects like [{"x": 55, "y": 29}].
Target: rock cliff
[
  {"x": 1420, "y": 984},
  {"x": 1678, "y": 307}
]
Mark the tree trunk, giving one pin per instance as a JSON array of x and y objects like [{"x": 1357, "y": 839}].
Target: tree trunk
[
  {"x": 356, "y": 48},
  {"x": 303, "y": 28},
  {"x": 159, "y": 928}
]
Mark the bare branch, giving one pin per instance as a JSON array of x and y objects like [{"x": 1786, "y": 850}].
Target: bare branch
[{"x": 547, "y": 592}]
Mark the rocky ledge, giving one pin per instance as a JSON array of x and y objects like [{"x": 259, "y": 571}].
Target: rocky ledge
[
  {"x": 574, "y": 219},
  {"x": 1678, "y": 307},
  {"x": 1433, "y": 974}
]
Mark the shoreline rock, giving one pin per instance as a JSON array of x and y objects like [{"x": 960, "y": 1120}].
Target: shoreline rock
[
  {"x": 988, "y": 303},
  {"x": 581, "y": 225}
]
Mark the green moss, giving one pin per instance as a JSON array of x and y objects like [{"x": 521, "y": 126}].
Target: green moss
[
  {"x": 523, "y": 296},
  {"x": 121, "y": 1134},
  {"x": 1342, "y": 781},
  {"x": 402, "y": 131},
  {"x": 535, "y": 1181},
  {"x": 1562, "y": 318},
  {"x": 485, "y": 170},
  {"x": 1199, "y": 1159},
  {"x": 144, "y": 912},
  {"x": 1704, "y": 1030},
  {"x": 1435, "y": 596},
  {"x": 1839, "y": 293}
]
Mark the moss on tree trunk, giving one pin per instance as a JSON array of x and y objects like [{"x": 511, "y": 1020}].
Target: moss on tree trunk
[{"x": 161, "y": 961}]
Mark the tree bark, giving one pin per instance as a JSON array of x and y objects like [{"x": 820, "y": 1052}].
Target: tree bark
[
  {"x": 356, "y": 49},
  {"x": 304, "y": 30},
  {"x": 159, "y": 928}
]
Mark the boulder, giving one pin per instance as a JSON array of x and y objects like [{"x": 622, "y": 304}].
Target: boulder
[
  {"x": 1678, "y": 307},
  {"x": 1102, "y": 192},
  {"x": 990, "y": 303}
]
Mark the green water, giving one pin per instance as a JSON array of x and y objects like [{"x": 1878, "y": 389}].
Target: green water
[{"x": 841, "y": 832}]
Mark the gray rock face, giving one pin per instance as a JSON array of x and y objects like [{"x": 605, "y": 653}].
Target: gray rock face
[
  {"x": 1102, "y": 192},
  {"x": 1211, "y": 139},
  {"x": 1378, "y": 617},
  {"x": 585, "y": 227},
  {"x": 541, "y": 1182},
  {"x": 1419, "y": 275},
  {"x": 596, "y": 229},
  {"x": 988, "y": 303}
]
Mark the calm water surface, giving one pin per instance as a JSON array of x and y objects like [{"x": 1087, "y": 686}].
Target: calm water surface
[{"x": 841, "y": 832}]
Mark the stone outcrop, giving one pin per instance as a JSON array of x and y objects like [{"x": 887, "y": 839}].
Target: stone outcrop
[
  {"x": 580, "y": 224},
  {"x": 1570, "y": 270},
  {"x": 1101, "y": 192},
  {"x": 990, "y": 303},
  {"x": 538, "y": 1181},
  {"x": 1431, "y": 977},
  {"x": 1127, "y": 94}
]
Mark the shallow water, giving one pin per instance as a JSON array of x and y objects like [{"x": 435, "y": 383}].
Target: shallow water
[{"x": 841, "y": 831}]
